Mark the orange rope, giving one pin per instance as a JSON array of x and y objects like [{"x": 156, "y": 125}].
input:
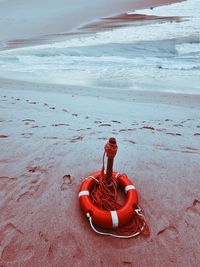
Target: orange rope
[{"x": 104, "y": 196}]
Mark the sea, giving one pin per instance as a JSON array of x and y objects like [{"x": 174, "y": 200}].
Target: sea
[{"x": 158, "y": 53}]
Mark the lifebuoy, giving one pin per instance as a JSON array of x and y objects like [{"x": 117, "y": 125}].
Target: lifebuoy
[{"x": 103, "y": 218}]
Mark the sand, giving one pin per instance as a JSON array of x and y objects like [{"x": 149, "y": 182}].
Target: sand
[
  {"x": 51, "y": 131},
  {"x": 25, "y": 23},
  {"x": 47, "y": 133}
]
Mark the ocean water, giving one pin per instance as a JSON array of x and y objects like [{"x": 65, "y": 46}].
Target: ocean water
[{"x": 163, "y": 56}]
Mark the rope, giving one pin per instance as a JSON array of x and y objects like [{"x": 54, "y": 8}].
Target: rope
[
  {"x": 104, "y": 196},
  {"x": 106, "y": 233}
]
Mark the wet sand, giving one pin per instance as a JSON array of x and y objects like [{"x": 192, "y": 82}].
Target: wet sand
[
  {"x": 126, "y": 20},
  {"x": 49, "y": 132},
  {"x": 24, "y": 23}
]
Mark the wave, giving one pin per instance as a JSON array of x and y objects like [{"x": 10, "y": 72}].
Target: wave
[{"x": 119, "y": 58}]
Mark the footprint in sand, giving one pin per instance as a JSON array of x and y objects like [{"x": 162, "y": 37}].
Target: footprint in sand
[
  {"x": 167, "y": 235},
  {"x": 60, "y": 124},
  {"x": 115, "y": 121},
  {"x": 174, "y": 134},
  {"x": 194, "y": 208},
  {"x": 161, "y": 130},
  {"x": 148, "y": 128},
  {"x": 97, "y": 121},
  {"x": 127, "y": 130},
  {"x": 26, "y": 135},
  {"x": 28, "y": 194},
  {"x": 102, "y": 138},
  {"x": 130, "y": 141},
  {"x": 178, "y": 125},
  {"x": 6, "y": 180},
  {"x": 76, "y": 138},
  {"x": 28, "y": 120},
  {"x": 43, "y": 237},
  {"x": 11, "y": 244},
  {"x": 37, "y": 126},
  {"x": 67, "y": 180},
  {"x": 3, "y": 136},
  {"x": 50, "y": 137},
  {"x": 105, "y": 125},
  {"x": 34, "y": 188},
  {"x": 127, "y": 263},
  {"x": 15, "y": 250},
  {"x": 122, "y": 130},
  {"x": 185, "y": 150},
  {"x": 190, "y": 150},
  {"x": 65, "y": 247},
  {"x": 37, "y": 169},
  {"x": 191, "y": 217}
]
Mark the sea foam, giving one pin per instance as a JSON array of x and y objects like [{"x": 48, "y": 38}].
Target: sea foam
[{"x": 136, "y": 57}]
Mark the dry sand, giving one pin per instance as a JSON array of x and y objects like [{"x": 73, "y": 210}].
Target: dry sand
[
  {"x": 50, "y": 131},
  {"x": 47, "y": 134}
]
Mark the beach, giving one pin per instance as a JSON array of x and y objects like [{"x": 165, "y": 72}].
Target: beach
[
  {"x": 62, "y": 99},
  {"x": 26, "y": 22}
]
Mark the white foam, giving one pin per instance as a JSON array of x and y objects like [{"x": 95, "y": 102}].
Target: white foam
[{"x": 133, "y": 57}]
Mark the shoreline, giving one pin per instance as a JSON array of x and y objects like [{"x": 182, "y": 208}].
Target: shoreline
[
  {"x": 44, "y": 32},
  {"x": 127, "y": 95}
]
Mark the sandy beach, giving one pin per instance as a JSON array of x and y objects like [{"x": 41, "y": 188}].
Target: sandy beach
[
  {"x": 45, "y": 136},
  {"x": 52, "y": 136}
]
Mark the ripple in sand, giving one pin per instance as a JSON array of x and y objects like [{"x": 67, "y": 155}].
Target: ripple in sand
[
  {"x": 28, "y": 120},
  {"x": 174, "y": 134},
  {"x": 115, "y": 121},
  {"x": 148, "y": 128},
  {"x": 105, "y": 125},
  {"x": 76, "y": 138},
  {"x": 60, "y": 124}
]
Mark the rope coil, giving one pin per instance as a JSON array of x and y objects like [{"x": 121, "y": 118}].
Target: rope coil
[
  {"x": 104, "y": 195},
  {"x": 100, "y": 190}
]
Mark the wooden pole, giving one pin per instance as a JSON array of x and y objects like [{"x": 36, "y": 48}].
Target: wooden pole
[{"x": 110, "y": 161}]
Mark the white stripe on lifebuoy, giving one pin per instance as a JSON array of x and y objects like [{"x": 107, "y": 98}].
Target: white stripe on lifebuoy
[
  {"x": 129, "y": 187},
  {"x": 84, "y": 193},
  {"x": 116, "y": 176},
  {"x": 115, "y": 220}
]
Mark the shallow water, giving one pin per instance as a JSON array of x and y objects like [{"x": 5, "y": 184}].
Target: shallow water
[{"x": 157, "y": 55}]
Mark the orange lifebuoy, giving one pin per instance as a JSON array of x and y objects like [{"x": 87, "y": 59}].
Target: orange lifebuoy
[{"x": 104, "y": 218}]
